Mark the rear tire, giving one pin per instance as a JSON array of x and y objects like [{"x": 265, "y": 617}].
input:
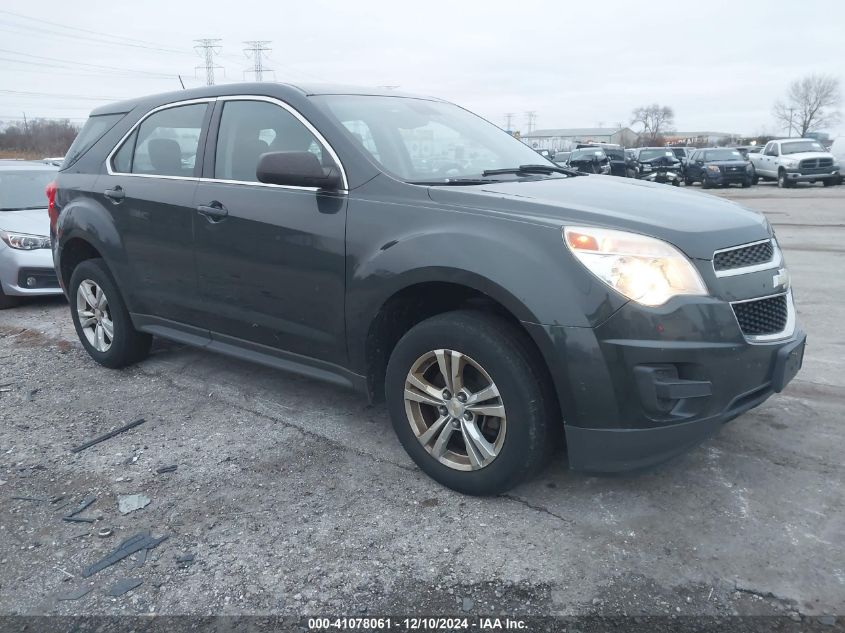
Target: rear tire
[
  {"x": 523, "y": 396},
  {"x": 829, "y": 182},
  {"x": 104, "y": 311}
]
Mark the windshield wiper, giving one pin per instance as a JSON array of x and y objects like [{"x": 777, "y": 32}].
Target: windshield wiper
[
  {"x": 452, "y": 182},
  {"x": 22, "y": 208},
  {"x": 532, "y": 169}
]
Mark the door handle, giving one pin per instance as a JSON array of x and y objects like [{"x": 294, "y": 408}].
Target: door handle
[
  {"x": 213, "y": 211},
  {"x": 116, "y": 195}
]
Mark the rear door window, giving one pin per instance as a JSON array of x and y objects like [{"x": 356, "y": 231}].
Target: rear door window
[{"x": 167, "y": 142}]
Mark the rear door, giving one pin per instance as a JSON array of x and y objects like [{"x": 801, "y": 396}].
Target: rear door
[
  {"x": 150, "y": 185},
  {"x": 271, "y": 260}
]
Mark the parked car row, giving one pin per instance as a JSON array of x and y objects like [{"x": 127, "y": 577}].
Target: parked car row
[{"x": 788, "y": 161}]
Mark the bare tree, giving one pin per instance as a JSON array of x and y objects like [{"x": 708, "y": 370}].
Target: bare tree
[
  {"x": 38, "y": 138},
  {"x": 655, "y": 120},
  {"x": 810, "y": 104}
]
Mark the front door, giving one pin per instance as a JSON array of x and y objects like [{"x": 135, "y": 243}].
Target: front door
[{"x": 270, "y": 259}]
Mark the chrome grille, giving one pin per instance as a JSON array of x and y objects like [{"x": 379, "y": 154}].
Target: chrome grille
[{"x": 743, "y": 256}]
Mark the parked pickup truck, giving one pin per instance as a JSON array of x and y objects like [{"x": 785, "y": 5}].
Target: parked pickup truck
[{"x": 796, "y": 160}]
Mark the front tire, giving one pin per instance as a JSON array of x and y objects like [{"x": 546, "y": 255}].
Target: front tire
[
  {"x": 783, "y": 181},
  {"x": 7, "y": 301},
  {"x": 470, "y": 402},
  {"x": 101, "y": 319}
]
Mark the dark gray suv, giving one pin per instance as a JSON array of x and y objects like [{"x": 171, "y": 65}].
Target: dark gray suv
[{"x": 406, "y": 248}]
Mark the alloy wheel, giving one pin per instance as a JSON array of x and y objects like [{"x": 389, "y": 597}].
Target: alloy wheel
[
  {"x": 95, "y": 321},
  {"x": 455, "y": 409}
]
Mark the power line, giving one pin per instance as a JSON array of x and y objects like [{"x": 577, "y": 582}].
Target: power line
[
  {"x": 65, "y": 62},
  {"x": 508, "y": 121},
  {"x": 208, "y": 48},
  {"x": 50, "y": 69},
  {"x": 62, "y": 96},
  {"x": 41, "y": 20},
  {"x": 257, "y": 48},
  {"x": 16, "y": 28}
]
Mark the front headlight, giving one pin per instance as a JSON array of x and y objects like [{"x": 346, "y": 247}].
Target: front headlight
[
  {"x": 713, "y": 168},
  {"x": 644, "y": 269},
  {"x": 24, "y": 241},
  {"x": 790, "y": 163}
]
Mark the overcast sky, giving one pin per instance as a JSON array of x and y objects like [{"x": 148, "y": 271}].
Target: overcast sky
[{"x": 720, "y": 65}]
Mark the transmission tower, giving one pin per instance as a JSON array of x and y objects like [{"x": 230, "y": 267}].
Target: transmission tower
[
  {"x": 207, "y": 48},
  {"x": 256, "y": 49},
  {"x": 531, "y": 119},
  {"x": 508, "y": 121}
]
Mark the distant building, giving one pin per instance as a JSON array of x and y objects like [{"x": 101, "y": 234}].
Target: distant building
[
  {"x": 566, "y": 138},
  {"x": 699, "y": 139}
]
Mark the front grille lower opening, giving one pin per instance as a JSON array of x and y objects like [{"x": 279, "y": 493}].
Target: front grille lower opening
[{"x": 762, "y": 316}]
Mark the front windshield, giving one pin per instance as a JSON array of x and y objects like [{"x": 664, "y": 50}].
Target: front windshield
[
  {"x": 421, "y": 140},
  {"x": 796, "y": 147},
  {"x": 21, "y": 189},
  {"x": 723, "y": 154},
  {"x": 649, "y": 154},
  {"x": 588, "y": 154}
]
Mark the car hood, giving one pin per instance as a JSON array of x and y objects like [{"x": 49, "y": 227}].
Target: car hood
[
  {"x": 696, "y": 223},
  {"x": 32, "y": 221},
  {"x": 727, "y": 163},
  {"x": 660, "y": 160},
  {"x": 803, "y": 155}
]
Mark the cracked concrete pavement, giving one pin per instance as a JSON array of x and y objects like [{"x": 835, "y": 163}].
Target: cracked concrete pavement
[{"x": 295, "y": 497}]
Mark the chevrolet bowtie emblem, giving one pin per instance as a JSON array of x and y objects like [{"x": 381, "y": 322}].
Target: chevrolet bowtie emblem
[{"x": 781, "y": 279}]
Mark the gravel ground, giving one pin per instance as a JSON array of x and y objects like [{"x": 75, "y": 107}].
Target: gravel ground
[{"x": 295, "y": 498}]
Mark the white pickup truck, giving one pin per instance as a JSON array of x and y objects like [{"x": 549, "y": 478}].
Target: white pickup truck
[{"x": 794, "y": 160}]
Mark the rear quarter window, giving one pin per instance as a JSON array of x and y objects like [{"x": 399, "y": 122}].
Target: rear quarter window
[{"x": 93, "y": 130}]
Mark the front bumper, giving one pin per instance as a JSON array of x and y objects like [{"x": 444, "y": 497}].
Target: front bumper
[
  {"x": 648, "y": 384},
  {"x": 660, "y": 176},
  {"x": 27, "y": 273},
  {"x": 811, "y": 175},
  {"x": 730, "y": 177}
]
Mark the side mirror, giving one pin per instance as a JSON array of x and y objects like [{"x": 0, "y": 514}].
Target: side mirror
[{"x": 296, "y": 169}]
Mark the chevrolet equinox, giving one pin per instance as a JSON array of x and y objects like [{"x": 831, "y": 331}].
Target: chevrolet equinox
[{"x": 406, "y": 248}]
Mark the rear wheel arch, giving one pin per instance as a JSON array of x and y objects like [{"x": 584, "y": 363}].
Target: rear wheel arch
[{"x": 75, "y": 251}]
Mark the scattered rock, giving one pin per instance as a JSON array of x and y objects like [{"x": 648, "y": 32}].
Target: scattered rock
[
  {"x": 130, "y": 503},
  {"x": 467, "y": 604}
]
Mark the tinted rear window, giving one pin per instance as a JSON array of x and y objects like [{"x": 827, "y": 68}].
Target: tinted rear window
[
  {"x": 93, "y": 130},
  {"x": 24, "y": 189}
]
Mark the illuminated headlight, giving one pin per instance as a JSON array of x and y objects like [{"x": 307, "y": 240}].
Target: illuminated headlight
[
  {"x": 24, "y": 241},
  {"x": 644, "y": 269}
]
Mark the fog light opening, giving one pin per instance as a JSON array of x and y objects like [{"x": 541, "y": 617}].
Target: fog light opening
[{"x": 31, "y": 282}]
